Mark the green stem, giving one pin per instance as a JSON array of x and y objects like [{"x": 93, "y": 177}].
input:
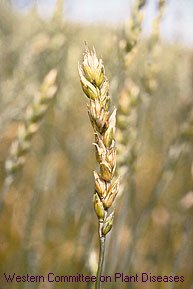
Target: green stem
[{"x": 101, "y": 256}]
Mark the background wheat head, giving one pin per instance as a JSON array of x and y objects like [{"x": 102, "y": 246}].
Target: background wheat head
[{"x": 28, "y": 128}]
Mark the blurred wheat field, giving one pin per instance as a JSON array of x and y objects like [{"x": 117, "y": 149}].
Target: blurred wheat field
[{"x": 47, "y": 223}]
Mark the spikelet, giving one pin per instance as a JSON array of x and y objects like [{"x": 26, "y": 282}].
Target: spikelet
[{"x": 96, "y": 87}]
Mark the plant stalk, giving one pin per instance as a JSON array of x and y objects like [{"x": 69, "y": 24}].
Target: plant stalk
[{"x": 102, "y": 240}]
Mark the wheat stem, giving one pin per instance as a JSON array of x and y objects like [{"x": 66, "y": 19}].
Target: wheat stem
[{"x": 102, "y": 240}]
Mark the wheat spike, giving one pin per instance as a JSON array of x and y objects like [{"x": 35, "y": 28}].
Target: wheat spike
[
  {"x": 96, "y": 87},
  {"x": 152, "y": 67},
  {"x": 129, "y": 97},
  {"x": 26, "y": 130},
  {"x": 132, "y": 32}
]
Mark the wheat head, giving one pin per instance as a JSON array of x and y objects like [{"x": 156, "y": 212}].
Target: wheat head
[
  {"x": 28, "y": 128},
  {"x": 96, "y": 87}
]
